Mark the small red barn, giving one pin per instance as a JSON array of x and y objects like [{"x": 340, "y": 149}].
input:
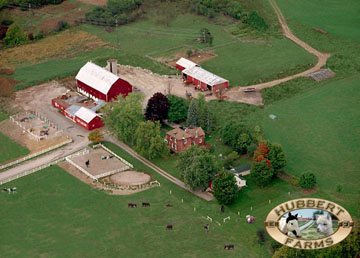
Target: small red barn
[
  {"x": 179, "y": 139},
  {"x": 98, "y": 83},
  {"x": 204, "y": 80},
  {"x": 184, "y": 63},
  {"x": 84, "y": 117}
]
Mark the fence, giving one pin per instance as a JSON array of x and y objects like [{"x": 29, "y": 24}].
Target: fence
[
  {"x": 34, "y": 155},
  {"x": 108, "y": 150},
  {"x": 9, "y": 179},
  {"x": 111, "y": 172}
]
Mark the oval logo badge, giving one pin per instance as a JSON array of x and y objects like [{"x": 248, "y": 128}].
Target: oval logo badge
[{"x": 308, "y": 223}]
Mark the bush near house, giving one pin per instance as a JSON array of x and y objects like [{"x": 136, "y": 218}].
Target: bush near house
[{"x": 307, "y": 180}]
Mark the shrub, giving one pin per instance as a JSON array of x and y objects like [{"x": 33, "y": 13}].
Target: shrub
[
  {"x": 15, "y": 36},
  {"x": 189, "y": 53},
  {"x": 31, "y": 36},
  {"x": 338, "y": 188},
  {"x": 62, "y": 25},
  {"x": 307, "y": 180}
]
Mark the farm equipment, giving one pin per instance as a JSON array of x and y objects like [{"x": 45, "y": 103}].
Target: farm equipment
[{"x": 249, "y": 90}]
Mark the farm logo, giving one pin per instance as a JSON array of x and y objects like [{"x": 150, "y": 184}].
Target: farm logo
[{"x": 308, "y": 223}]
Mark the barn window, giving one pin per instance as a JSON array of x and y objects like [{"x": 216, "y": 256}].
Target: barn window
[{"x": 200, "y": 141}]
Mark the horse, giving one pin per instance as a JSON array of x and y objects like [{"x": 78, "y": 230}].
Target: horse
[
  {"x": 290, "y": 224},
  {"x": 229, "y": 247},
  {"x": 207, "y": 226},
  {"x": 168, "y": 205},
  {"x": 6, "y": 190},
  {"x": 169, "y": 227},
  {"x": 87, "y": 163},
  {"x": 132, "y": 205},
  {"x": 145, "y": 204}
]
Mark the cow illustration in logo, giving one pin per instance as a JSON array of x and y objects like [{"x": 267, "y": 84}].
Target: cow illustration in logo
[{"x": 290, "y": 225}]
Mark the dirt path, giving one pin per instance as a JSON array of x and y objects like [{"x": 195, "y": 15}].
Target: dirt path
[
  {"x": 237, "y": 94},
  {"x": 204, "y": 195}
]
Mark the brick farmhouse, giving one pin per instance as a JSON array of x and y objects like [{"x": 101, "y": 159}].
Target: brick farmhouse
[{"x": 180, "y": 139}]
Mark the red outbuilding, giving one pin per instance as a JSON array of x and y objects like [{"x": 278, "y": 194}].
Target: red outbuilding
[
  {"x": 84, "y": 117},
  {"x": 98, "y": 83},
  {"x": 204, "y": 80},
  {"x": 184, "y": 63}
]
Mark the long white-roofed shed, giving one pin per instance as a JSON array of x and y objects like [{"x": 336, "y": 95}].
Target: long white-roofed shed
[{"x": 184, "y": 63}]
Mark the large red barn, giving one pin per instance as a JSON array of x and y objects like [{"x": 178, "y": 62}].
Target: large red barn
[{"x": 98, "y": 83}]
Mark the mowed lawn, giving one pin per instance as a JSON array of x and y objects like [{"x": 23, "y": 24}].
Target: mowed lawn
[
  {"x": 340, "y": 18},
  {"x": 55, "y": 214},
  {"x": 320, "y": 133},
  {"x": 10, "y": 149}
]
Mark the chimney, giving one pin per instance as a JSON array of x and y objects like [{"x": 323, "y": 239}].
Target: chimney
[{"x": 112, "y": 66}]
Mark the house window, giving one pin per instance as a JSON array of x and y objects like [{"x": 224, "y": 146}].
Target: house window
[
  {"x": 200, "y": 141},
  {"x": 185, "y": 141},
  {"x": 170, "y": 138},
  {"x": 175, "y": 140},
  {"x": 172, "y": 146}
]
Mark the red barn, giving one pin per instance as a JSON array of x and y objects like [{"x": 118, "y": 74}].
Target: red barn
[
  {"x": 84, "y": 117},
  {"x": 179, "y": 139},
  {"x": 184, "y": 63},
  {"x": 98, "y": 83},
  {"x": 204, "y": 80}
]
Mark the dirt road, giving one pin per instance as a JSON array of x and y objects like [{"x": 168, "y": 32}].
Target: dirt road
[
  {"x": 204, "y": 195},
  {"x": 237, "y": 94}
]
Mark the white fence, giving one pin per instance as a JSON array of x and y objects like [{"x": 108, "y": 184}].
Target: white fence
[
  {"x": 108, "y": 150},
  {"x": 9, "y": 179},
  {"x": 34, "y": 155}
]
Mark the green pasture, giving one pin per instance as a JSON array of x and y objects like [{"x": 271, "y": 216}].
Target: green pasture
[
  {"x": 247, "y": 63},
  {"x": 319, "y": 131},
  {"x": 29, "y": 75},
  {"x": 10, "y": 150},
  {"x": 337, "y": 18},
  {"x": 55, "y": 214}
]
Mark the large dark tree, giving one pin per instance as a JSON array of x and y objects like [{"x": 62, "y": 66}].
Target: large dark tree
[
  {"x": 177, "y": 110},
  {"x": 157, "y": 107},
  {"x": 262, "y": 172},
  {"x": 225, "y": 188}
]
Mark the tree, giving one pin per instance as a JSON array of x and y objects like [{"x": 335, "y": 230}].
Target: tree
[
  {"x": 193, "y": 114},
  {"x": 123, "y": 118},
  {"x": 307, "y": 180},
  {"x": 157, "y": 107},
  {"x": 206, "y": 119},
  {"x": 206, "y": 37},
  {"x": 277, "y": 156},
  {"x": 262, "y": 172},
  {"x": 177, "y": 109},
  {"x": 225, "y": 189},
  {"x": 197, "y": 166},
  {"x": 15, "y": 36},
  {"x": 230, "y": 133},
  {"x": 3, "y": 3},
  {"x": 148, "y": 141},
  {"x": 96, "y": 136},
  {"x": 243, "y": 142}
]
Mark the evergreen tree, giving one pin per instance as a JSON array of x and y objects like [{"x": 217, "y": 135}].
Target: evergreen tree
[
  {"x": 225, "y": 188},
  {"x": 193, "y": 114},
  {"x": 177, "y": 109}
]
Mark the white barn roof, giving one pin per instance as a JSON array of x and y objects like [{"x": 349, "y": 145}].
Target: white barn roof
[
  {"x": 96, "y": 77},
  {"x": 186, "y": 63},
  {"x": 85, "y": 114},
  {"x": 204, "y": 76}
]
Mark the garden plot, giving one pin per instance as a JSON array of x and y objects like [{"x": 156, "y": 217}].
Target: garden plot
[{"x": 98, "y": 163}]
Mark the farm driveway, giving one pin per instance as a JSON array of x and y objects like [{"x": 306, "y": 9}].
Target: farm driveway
[{"x": 237, "y": 94}]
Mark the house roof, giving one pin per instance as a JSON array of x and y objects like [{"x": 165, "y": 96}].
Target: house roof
[
  {"x": 204, "y": 76},
  {"x": 72, "y": 109},
  {"x": 85, "y": 114},
  {"x": 189, "y": 132},
  {"x": 186, "y": 63},
  {"x": 96, "y": 77}
]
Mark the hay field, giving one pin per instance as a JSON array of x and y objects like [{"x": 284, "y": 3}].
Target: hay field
[{"x": 62, "y": 45}]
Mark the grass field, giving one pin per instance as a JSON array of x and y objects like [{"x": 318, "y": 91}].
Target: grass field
[
  {"x": 342, "y": 20},
  {"x": 10, "y": 149},
  {"x": 55, "y": 214},
  {"x": 319, "y": 131}
]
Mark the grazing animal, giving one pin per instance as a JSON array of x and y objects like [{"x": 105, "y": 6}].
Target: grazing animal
[
  {"x": 87, "y": 163},
  {"x": 169, "y": 227},
  {"x": 168, "y": 205},
  {"x": 222, "y": 208},
  {"x": 324, "y": 224},
  {"x": 207, "y": 226},
  {"x": 290, "y": 225},
  {"x": 145, "y": 204},
  {"x": 6, "y": 190},
  {"x": 132, "y": 205},
  {"x": 13, "y": 190},
  {"x": 229, "y": 247},
  {"x": 250, "y": 219}
]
